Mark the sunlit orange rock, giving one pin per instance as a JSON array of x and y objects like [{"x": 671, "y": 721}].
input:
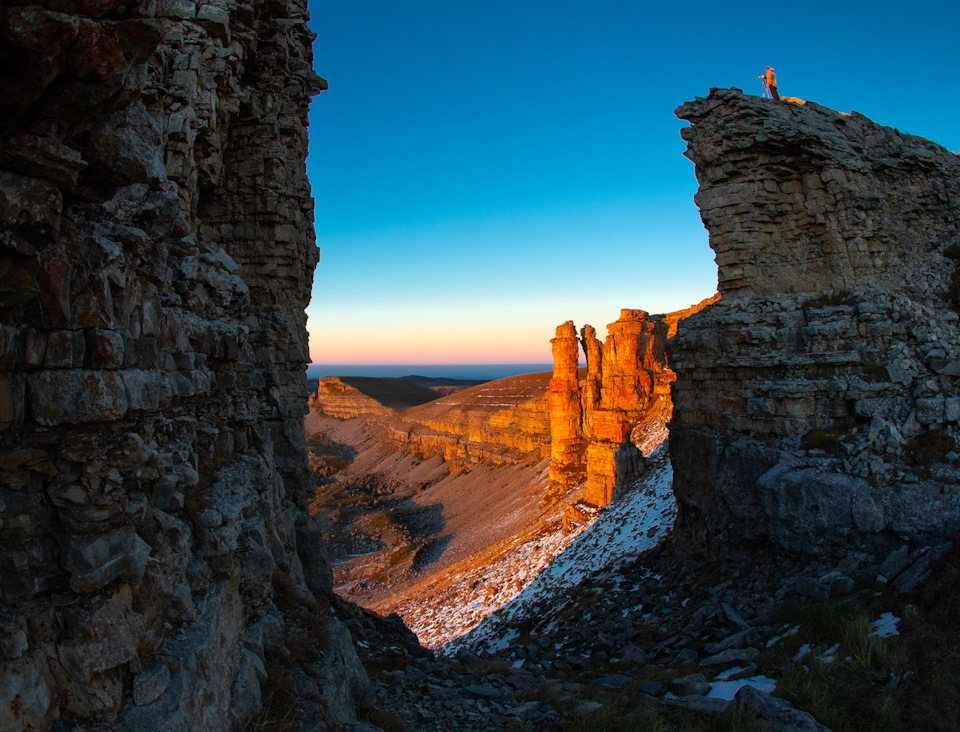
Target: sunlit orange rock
[
  {"x": 631, "y": 359},
  {"x": 566, "y": 416},
  {"x": 591, "y": 384},
  {"x": 623, "y": 393},
  {"x": 672, "y": 319},
  {"x": 338, "y": 399},
  {"x": 502, "y": 422}
]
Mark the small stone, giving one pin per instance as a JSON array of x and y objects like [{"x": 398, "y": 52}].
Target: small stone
[
  {"x": 920, "y": 569},
  {"x": 810, "y": 587},
  {"x": 587, "y": 707},
  {"x": 150, "y": 684},
  {"x": 780, "y": 713},
  {"x": 732, "y": 656},
  {"x": 895, "y": 563},
  {"x": 930, "y": 410},
  {"x": 694, "y": 684},
  {"x": 13, "y": 641},
  {"x": 687, "y": 655},
  {"x": 951, "y": 409},
  {"x": 709, "y": 706},
  {"x": 211, "y": 519},
  {"x": 635, "y": 654},
  {"x": 215, "y": 20},
  {"x": 653, "y": 688}
]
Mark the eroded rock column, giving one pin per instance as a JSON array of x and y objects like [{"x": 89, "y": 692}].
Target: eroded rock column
[
  {"x": 566, "y": 417},
  {"x": 632, "y": 356}
]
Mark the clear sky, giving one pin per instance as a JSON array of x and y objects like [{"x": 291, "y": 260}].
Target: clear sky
[{"x": 484, "y": 171}]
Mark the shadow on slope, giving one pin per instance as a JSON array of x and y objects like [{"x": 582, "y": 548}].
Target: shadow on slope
[{"x": 393, "y": 393}]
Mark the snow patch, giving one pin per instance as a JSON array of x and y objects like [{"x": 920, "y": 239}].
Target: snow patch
[
  {"x": 786, "y": 634},
  {"x": 639, "y": 519},
  {"x": 886, "y": 626},
  {"x": 728, "y": 689}
]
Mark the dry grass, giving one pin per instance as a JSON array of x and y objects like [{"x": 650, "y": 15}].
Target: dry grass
[
  {"x": 625, "y": 710},
  {"x": 908, "y": 681},
  {"x": 279, "y": 703},
  {"x": 929, "y": 447}
]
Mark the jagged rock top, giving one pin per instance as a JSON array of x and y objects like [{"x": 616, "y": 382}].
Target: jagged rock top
[{"x": 797, "y": 198}]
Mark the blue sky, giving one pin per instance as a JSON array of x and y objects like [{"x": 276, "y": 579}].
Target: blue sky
[{"x": 486, "y": 171}]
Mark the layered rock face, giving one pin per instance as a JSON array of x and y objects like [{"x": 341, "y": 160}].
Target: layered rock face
[
  {"x": 816, "y": 404},
  {"x": 503, "y": 422},
  {"x": 342, "y": 401},
  {"x": 157, "y": 253},
  {"x": 566, "y": 413},
  {"x": 594, "y": 415},
  {"x": 619, "y": 391}
]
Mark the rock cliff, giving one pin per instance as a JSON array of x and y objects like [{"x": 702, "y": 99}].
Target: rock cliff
[
  {"x": 338, "y": 399},
  {"x": 157, "y": 254},
  {"x": 597, "y": 414},
  {"x": 503, "y": 422},
  {"x": 817, "y": 404}
]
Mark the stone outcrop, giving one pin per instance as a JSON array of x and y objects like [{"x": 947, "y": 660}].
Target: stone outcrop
[
  {"x": 157, "y": 254},
  {"x": 566, "y": 413},
  {"x": 595, "y": 412},
  {"x": 816, "y": 405},
  {"x": 502, "y": 422},
  {"x": 343, "y": 401},
  {"x": 620, "y": 390}
]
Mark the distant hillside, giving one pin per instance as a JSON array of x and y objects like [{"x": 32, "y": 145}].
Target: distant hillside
[
  {"x": 431, "y": 381},
  {"x": 392, "y": 393}
]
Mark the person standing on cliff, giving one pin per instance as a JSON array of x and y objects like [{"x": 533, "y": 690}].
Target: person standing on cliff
[{"x": 770, "y": 79}]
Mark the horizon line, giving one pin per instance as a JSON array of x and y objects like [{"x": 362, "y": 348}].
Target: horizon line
[{"x": 433, "y": 363}]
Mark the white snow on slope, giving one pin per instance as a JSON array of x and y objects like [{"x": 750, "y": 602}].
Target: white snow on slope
[
  {"x": 886, "y": 626},
  {"x": 637, "y": 521},
  {"x": 728, "y": 689},
  {"x": 463, "y": 604}
]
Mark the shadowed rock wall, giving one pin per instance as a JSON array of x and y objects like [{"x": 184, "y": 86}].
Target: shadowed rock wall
[
  {"x": 816, "y": 404},
  {"x": 156, "y": 256}
]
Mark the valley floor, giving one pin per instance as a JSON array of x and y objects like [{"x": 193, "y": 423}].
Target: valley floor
[
  {"x": 666, "y": 642},
  {"x": 615, "y": 627}
]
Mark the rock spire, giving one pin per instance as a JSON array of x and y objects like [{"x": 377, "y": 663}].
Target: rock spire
[{"x": 594, "y": 411}]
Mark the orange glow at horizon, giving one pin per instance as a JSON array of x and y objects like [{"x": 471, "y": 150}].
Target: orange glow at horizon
[{"x": 433, "y": 346}]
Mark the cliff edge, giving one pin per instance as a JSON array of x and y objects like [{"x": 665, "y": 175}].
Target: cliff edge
[
  {"x": 817, "y": 403},
  {"x": 157, "y": 254}
]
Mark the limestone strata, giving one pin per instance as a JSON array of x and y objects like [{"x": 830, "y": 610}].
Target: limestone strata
[
  {"x": 343, "y": 401},
  {"x": 630, "y": 362},
  {"x": 566, "y": 413},
  {"x": 503, "y": 422},
  {"x": 595, "y": 412},
  {"x": 816, "y": 405},
  {"x": 157, "y": 254}
]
